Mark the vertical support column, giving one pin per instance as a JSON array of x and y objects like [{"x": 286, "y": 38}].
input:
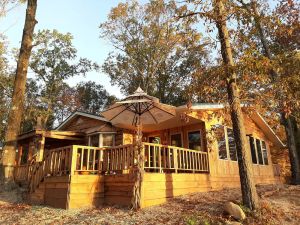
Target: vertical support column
[
  {"x": 20, "y": 153},
  {"x": 41, "y": 148},
  {"x": 30, "y": 151}
]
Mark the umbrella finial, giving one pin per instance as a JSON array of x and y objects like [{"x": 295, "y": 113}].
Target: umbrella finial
[{"x": 139, "y": 90}]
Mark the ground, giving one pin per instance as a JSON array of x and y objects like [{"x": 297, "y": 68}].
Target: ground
[{"x": 280, "y": 204}]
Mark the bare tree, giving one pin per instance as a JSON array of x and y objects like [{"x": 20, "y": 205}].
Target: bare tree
[{"x": 249, "y": 194}]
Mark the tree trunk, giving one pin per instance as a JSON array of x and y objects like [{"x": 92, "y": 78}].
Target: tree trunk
[
  {"x": 139, "y": 170},
  {"x": 292, "y": 145},
  {"x": 249, "y": 195},
  {"x": 287, "y": 119},
  {"x": 16, "y": 110}
]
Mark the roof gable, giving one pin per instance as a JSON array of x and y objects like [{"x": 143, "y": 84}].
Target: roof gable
[{"x": 77, "y": 118}]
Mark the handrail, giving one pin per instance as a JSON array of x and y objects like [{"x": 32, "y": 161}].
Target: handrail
[
  {"x": 79, "y": 159},
  {"x": 56, "y": 162},
  {"x": 23, "y": 173},
  {"x": 165, "y": 158},
  {"x": 86, "y": 159}
]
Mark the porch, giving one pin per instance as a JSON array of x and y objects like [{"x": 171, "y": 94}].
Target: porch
[{"x": 76, "y": 176}]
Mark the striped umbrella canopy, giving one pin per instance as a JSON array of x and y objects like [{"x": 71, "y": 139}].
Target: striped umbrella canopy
[{"x": 139, "y": 108}]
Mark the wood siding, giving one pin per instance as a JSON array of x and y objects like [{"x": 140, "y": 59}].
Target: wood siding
[{"x": 86, "y": 191}]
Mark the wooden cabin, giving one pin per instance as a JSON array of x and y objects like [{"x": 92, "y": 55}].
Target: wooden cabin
[{"x": 87, "y": 161}]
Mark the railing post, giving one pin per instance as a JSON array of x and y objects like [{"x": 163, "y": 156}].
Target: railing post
[
  {"x": 159, "y": 158},
  {"x": 175, "y": 159},
  {"x": 143, "y": 156},
  {"x": 73, "y": 159}
]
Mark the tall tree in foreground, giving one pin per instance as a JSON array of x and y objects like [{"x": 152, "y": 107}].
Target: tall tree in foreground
[
  {"x": 16, "y": 110},
  {"x": 285, "y": 22},
  {"x": 249, "y": 194}
]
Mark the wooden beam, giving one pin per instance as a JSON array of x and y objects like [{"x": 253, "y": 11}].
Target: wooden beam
[
  {"x": 26, "y": 135},
  {"x": 67, "y": 133},
  {"x": 61, "y": 137}
]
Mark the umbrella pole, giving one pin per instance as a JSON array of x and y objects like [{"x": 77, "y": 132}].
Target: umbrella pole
[{"x": 139, "y": 172}]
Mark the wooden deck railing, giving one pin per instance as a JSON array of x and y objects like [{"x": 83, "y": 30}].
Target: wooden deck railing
[
  {"x": 164, "y": 158},
  {"x": 86, "y": 159},
  {"x": 57, "y": 162},
  {"x": 22, "y": 173},
  {"x": 118, "y": 158},
  {"x": 78, "y": 159}
]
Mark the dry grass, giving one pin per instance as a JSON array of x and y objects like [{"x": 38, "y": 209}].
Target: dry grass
[{"x": 280, "y": 204}]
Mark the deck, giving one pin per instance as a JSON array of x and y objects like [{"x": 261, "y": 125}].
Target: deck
[
  {"x": 83, "y": 176},
  {"x": 77, "y": 176}
]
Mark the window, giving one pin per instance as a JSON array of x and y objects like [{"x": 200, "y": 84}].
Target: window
[
  {"x": 107, "y": 140},
  {"x": 102, "y": 140},
  {"x": 265, "y": 152},
  {"x": 231, "y": 144},
  {"x": 220, "y": 135},
  {"x": 176, "y": 140},
  {"x": 253, "y": 150},
  {"x": 194, "y": 139},
  {"x": 94, "y": 140},
  {"x": 226, "y": 142},
  {"x": 259, "y": 151},
  {"x": 154, "y": 140}
]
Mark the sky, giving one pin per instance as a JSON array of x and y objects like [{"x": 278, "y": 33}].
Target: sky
[{"x": 79, "y": 17}]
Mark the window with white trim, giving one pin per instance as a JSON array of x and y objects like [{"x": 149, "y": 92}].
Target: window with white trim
[
  {"x": 102, "y": 140},
  {"x": 226, "y": 142}
]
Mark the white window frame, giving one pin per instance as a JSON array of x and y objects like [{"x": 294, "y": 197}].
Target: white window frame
[{"x": 101, "y": 139}]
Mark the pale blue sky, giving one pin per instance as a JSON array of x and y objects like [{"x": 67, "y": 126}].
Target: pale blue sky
[{"x": 79, "y": 17}]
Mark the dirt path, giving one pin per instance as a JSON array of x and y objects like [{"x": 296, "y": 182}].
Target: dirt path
[{"x": 280, "y": 205}]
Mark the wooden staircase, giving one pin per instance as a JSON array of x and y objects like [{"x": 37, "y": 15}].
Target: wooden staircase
[{"x": 32, "y": 176}]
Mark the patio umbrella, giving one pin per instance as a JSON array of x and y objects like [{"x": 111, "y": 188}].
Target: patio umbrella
[{"x": 139, "y": 109}]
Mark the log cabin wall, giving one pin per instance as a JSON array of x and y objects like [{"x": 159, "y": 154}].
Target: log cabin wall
[{"x": 225, "y": 172}]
